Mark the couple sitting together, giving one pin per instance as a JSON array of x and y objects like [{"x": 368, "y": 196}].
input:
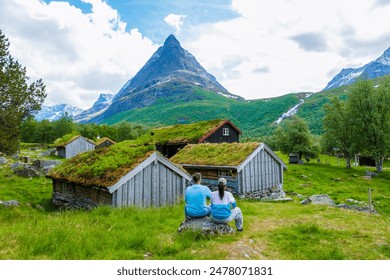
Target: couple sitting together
[{"x": 223, "y": 206}]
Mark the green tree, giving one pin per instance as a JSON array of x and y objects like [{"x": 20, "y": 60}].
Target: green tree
[
  {"x": 338, "y": 129},
  {"x": 18, "y": 99},
  {"x": 295, "y": 137},
  {"x": 370, "y": 109}
]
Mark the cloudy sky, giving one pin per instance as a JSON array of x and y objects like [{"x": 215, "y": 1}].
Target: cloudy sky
[{"x": 255, "y": 48}]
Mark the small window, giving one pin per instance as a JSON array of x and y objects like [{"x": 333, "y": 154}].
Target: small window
[
  {"x": 225, "y": 173},
  {"x": 225, "y": 131}
]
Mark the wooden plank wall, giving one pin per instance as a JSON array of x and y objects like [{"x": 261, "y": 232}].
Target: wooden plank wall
[
  {"x": 261, "y": 173},
  {"x": 78, "y": 146},
  {"x": 154, "y": 186}
]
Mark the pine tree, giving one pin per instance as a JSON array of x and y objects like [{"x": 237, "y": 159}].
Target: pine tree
[{"x": 18, "y": 99}]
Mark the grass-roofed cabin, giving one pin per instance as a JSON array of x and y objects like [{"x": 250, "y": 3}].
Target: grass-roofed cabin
[
  {"x": 104, "y": 142},
  {"x": 120, "y": 175},
  {"x": 171, "y": 139},
  {"x": 68, "y": 146},
  {"x": 248, "y": 167}
]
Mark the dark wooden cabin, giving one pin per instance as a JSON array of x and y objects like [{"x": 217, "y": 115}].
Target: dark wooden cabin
[
  {"x": 104, "y": 142},
  {"x": 171, "y": 139}
]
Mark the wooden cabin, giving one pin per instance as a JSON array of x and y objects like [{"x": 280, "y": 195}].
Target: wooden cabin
[
  {"x": 247, "y": 167},
  {"x": 104, "y": 142},
  {"x": 121, "y": 175},
  {"x": 75, "y": 145},
  {"x": 171, "y": 139},
  {"x": 294, "y": 158}
]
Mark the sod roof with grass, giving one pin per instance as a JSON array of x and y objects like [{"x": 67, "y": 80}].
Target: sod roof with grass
[
  {"x": 102, "y": 167},
  {"x": 182, "y": 133},
  {"x": 68, "y": 138},
  {"x": 225, "y": 154}
]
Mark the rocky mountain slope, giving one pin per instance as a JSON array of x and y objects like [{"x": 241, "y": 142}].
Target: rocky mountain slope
[
  {"x": 376, "y": 68},
  {"x": 100, "y": 105},
  {"x": 172, "y": 72}
]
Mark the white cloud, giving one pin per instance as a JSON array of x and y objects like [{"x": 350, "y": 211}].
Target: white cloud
[
  {"x": 77, "y": 55},
  {"x": 176, "y": 21},
  {"x": 298, "y": 43}
]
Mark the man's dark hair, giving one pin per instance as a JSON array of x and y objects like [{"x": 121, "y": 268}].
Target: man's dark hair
[{"x": 196, "y": 177}]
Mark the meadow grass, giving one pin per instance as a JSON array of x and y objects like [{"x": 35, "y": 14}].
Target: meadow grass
[{"x": 289, "y": 230}]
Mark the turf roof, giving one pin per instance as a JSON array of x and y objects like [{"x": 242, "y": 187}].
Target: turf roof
[
  {"x": 102, "y": 167},
  {"x": 67, "y": 138},
  {"x": 225, "y": 154},
  {"x": 181, "y": 133}
]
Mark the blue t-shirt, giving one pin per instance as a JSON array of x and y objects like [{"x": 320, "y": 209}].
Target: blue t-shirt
[{"x": 195, "y": 198}]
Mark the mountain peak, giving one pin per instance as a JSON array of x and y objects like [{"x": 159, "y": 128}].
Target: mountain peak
[
  {"x": 376, "y": 68},
  {"x": 171, "y": 40}
]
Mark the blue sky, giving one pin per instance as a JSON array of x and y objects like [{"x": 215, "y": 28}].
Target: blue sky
[
  {"x": 148, "y": 15},
  {"x": 255, "y": 48}
]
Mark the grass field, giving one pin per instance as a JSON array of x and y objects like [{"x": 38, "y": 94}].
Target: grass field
[{"x": 289, "y": 230}]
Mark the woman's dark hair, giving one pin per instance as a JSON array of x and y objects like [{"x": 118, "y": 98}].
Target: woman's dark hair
[{"x": 221, "y": 189}]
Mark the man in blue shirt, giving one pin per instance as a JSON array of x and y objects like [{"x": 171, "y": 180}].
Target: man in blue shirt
[{"x": 195, "y": 199}]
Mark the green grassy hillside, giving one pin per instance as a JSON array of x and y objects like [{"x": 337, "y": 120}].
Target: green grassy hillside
[
  {"x": 289, "y": 230},
  {"x": 253, "y": 117}
]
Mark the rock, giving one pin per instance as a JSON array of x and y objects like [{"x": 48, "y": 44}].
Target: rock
[
  {"x": 321, "y": 199},
  {"x": 10, "y": 203},
  {"x": 48, "y": 168},
  {"x": 50, "y": 152},
  {"x": 206, "y": 226},
  {"x": 26, "y": 172},
  {"x": 17, "y": 164},
  {"x": 3, "y": 160},
  {"x": 284, "y": 199},
  {"x": 41, "y": 164}
]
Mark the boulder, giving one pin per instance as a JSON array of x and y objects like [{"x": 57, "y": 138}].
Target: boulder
[
  {"x": 17, "y": 165},
  {"x": 10, "y": 203},
  {"x": 3, "y": 160},
  {"x": 205, "y": 225},
  {"x": 321, "y": 199},
  {"x": 26, "y": 172},
  {"x": 41, "y": 164},
  {"x": 47, "y": 169}
]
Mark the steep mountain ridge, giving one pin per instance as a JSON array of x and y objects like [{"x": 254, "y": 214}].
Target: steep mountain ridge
[
  {"x": 376, "y": 68},
  {"x": 100, "y": 105},
  {"x": 171, "y": 71}
]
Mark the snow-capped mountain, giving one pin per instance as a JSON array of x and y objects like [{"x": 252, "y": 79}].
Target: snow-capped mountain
[
  {"x": 171, "y": 72},
  {"x": 377, "y": 68},
  {"x": 101, "y": 104},
  {"x": 53, "y": 113}
]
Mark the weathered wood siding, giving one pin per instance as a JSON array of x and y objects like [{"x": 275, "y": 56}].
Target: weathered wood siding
[
  {"x": 104, "y": 144},
  {"x": 79, "y": 145},
  {"x": 218, "y": 137},
  {"x": 154, "y": 186},
  {"x": 261, "y": 173},
  {"x": 76, "y": 196}
]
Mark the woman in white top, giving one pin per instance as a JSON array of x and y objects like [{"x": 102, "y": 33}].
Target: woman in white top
[{"x": 223, "y": 206}]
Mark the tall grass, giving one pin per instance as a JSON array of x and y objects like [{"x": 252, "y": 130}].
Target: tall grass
[{"x": 37, "y": 230}]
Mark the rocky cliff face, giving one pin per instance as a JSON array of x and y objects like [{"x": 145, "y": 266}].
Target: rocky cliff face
[
  {"x": 100, "y": 105},
  {"x": 377, "y": 68},
  {"x": 171, "y": 71}
]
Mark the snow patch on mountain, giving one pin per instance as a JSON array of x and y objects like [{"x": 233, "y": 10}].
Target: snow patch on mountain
[{"x": 56, "y": 112}]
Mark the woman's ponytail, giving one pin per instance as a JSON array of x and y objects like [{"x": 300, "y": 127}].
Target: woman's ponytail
[{"x": 221, "y": 190}]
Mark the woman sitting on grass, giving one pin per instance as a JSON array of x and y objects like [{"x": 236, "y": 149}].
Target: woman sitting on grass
[{"x": 223, "y": 206}]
